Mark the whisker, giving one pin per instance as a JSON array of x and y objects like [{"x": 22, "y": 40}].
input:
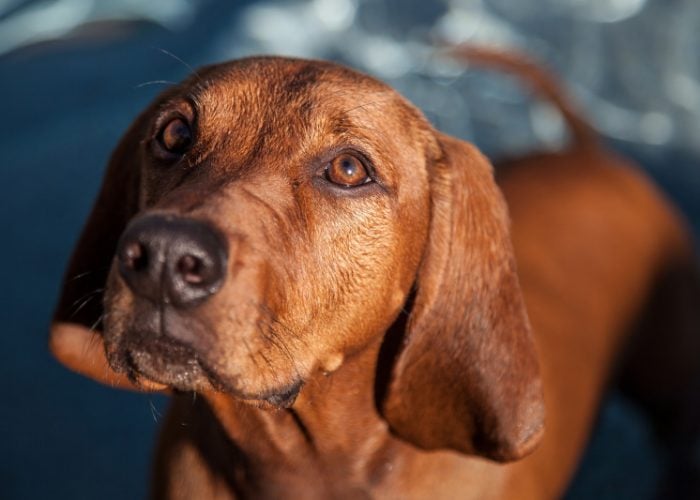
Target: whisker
[
  {"x": 93, "y": 328},
  {"x": 97, "y": 290},
  {"x": 371, "y": 103},
  {"x": 190, "y": 68},
  {"x": 86, "y": 273},
  {"x": 85, "y": 302},
  {"x": 154, "y": 82},
  {"x": 93, "y": 338},
  {"x": 154, "y": 411}
]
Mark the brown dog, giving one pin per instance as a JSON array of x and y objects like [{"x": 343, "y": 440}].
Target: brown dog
[{"x": 294, "y": 241}]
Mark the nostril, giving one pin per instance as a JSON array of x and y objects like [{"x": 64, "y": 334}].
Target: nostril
[
  {"x": 135, "y": 257},
  {"x": 191, "y": 268},
  {"x": 173, "y": 260}
]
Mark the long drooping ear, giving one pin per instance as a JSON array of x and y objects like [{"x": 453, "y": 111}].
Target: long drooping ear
[
  {"x": 75, "y": 339},
  {"x": 467, "y": 376}
]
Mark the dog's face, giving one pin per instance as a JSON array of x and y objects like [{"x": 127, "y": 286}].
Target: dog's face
[
  {"x": 269, "y": 217},
  {"x": 313, "y": 184}
]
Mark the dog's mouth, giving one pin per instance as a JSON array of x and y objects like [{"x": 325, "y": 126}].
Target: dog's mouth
[
  {"x": 151, "y": 359},
  {"x": 179, "y": 367},
  {"x": 163, "y": 362},
  {"x": 152, "y": 356}
]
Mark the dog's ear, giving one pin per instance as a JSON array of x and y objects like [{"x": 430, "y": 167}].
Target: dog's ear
[
  {"x": 467, "y": 376},
  {"x": 75, "y": 339}
]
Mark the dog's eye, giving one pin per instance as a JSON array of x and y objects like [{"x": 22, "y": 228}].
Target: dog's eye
[
  {"x": 175, "y": 137},
  {"x": 348, "y": 171}
]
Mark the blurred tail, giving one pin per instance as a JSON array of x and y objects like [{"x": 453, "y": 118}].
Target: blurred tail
[{"x": 536, "y": 78}]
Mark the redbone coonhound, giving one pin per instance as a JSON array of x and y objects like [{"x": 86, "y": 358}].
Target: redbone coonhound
[{"x": 337, "y": 279}]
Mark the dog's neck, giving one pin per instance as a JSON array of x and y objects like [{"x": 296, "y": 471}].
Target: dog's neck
[{"x": 332, "y": 437}]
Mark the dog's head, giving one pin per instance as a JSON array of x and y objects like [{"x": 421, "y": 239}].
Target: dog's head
[{"x": 269, "y": 217}]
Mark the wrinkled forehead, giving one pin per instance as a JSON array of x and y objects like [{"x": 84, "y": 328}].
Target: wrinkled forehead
[
  {"x": 276, "y": 105},
  {"x": 290, "y": 88}
]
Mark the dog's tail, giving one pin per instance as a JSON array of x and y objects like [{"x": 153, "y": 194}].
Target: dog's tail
[{"x": 535, "y": 77}]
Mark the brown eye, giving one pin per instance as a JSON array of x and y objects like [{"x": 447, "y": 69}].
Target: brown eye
[
  {"x": 347, "y": 171},
  {"x": 175, "y": 137}
]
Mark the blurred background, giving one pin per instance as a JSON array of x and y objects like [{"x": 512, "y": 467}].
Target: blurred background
[{"x": 76, "y": 72}]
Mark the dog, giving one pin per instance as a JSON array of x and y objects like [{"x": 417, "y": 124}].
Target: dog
[{"x": 361, "y": 309}]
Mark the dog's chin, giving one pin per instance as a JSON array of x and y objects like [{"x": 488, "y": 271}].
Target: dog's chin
[{"x": 151, "y": 368}]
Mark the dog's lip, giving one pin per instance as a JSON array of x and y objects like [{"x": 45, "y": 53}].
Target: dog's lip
[
  {"x": 148, "y": 384},
  {"x": 286, "y": 397},
  {"x": 282, "y": 397}
]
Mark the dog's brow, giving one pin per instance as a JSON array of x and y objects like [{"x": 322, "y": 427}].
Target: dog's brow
[{"x": 303, "y": 78}]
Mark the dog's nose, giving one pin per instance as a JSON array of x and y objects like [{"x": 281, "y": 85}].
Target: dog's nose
[{"x": 171, "y": 259}]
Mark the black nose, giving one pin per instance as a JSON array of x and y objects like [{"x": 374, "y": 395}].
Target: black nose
[{"x": 172, "y": 260}]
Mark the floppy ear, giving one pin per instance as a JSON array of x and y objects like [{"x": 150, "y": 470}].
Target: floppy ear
[
  {"x": 75, "y": 339},
  {"x": 467, "y": 377}
]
